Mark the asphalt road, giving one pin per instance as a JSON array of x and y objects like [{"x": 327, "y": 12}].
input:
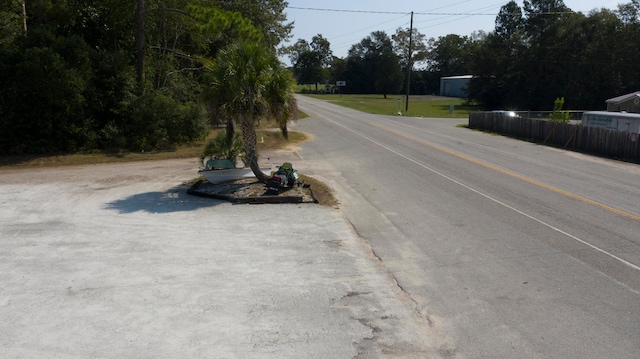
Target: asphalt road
[{"x": 515, "y": 250}]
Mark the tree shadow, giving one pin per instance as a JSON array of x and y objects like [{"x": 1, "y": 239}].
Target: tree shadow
[{"x": 173, "y": 200}]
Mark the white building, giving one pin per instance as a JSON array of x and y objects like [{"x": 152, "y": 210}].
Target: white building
[{"x": 454, "y": 86}]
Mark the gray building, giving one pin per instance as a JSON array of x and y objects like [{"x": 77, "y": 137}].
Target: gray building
[
  {"x": 625, "y": 103},
  {"x": 454, "y": 86}
]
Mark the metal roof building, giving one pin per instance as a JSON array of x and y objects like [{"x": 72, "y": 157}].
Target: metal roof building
[
  {"x": 454, "y": 86},
  {"x": 625, "y": 103}
]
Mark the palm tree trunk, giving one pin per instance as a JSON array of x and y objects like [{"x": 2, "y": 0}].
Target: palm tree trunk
[
  {"x": 250, "y": 147},
  {"x": 285, "y": 131},
  {"x": 230, "y": 131}
]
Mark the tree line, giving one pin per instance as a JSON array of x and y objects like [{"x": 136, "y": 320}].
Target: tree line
[
  {"x": 537, "y": 52},
  {"x": 81, "y": 75}
]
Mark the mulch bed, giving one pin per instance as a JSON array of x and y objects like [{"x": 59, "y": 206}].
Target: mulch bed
[{"x": 249, "y": 190}]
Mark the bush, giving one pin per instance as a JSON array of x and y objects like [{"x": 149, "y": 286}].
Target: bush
[
  {"x": 223, "y": 147},
  {"x": 158, "y": 121}
]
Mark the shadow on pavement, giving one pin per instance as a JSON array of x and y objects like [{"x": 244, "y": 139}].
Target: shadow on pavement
[{"x": 173, "y": 200}]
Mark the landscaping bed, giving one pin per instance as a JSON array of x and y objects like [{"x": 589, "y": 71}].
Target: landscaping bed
[{"x": 250, "y": 190}]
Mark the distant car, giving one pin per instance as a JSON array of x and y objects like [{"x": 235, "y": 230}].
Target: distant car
[{"x": 505, "y": 113}]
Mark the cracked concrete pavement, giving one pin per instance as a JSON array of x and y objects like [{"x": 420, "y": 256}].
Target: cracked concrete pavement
[{"x": 117, "y": 261}]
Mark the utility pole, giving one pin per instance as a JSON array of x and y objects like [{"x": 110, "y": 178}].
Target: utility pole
[{"x": 406, "y": 108}]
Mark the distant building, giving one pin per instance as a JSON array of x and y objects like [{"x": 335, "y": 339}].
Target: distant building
[
  {"x": 454, "y": 86},
  {"x": 625, "y": 103},
  {"x": 625, "y": 122}
]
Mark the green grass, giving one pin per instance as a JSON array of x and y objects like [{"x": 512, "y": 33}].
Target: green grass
[{"x": 419, "y": 106}]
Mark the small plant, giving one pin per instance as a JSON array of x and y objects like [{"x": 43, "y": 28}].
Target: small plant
[
  {"x": 558, "y": 115},
  {"x": 222, "y": 146}
]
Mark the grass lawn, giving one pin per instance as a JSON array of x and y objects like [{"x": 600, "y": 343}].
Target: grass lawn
[{"x": 419, "y": 106}]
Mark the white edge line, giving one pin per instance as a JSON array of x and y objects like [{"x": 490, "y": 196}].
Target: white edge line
[{"x": 627, "y": 263}]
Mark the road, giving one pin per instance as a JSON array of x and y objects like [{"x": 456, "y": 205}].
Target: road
[{"x": 514, "y": 250}]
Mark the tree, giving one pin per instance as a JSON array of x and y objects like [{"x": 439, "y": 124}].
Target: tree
[
  {"x": 266, "y": 15},
  {"x": 69, "y": 82},
  {"x": 294, "y": 51},
  {"x": 509, "y": 22},
  {"x": 544, "y": 51},
  {"x": 308, "y": 69},
  {"x": 629, "y": 13},
  {"x": 391, "y": 77},
  {"x": 337, "y": 69},
  {"x": 12, "y": 20},
  {"x": 541, "y": 16},
  {"x": 497, "y": 62},
  {"x": 401, "y": 46},
  {"x": 247, "y": 83},
  {"x": 550, "y": 51},
  {"x": 627, "y": 44},
  {"x": 311, "y": 60},
  {"x": 373, "y": 66},
  {"x": 449, "y": 56},
  {"x": 537, "y": 48},
  {"x": 322, "y": 48}
]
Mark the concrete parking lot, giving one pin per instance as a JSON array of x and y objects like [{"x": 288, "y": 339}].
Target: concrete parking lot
[{"x": 117, "y": 261}]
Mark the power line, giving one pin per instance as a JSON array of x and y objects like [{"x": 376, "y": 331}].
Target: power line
[
  {"x": 486, "y": 8},
  {"x": 448, "y": 17},
  {"x": 420, "y": 13},
  {"x": 385, "y": 12},
  {"x": 446, "y": 6},
  {"x": 371, "y": 27},
  {"x": 351, "y": 11}
]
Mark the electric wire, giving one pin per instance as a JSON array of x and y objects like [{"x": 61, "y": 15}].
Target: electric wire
[{"x": 457, "y": 16}]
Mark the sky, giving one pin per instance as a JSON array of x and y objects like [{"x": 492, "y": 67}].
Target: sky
[{"x": 431, "y": 18}]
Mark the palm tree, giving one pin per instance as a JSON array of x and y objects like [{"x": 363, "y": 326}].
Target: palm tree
[
  {"x": 249, "y": 83},
  {"x": 283, "y": 106}
]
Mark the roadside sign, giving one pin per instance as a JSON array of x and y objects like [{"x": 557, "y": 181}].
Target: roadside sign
[{"x": 341, "y": 83}]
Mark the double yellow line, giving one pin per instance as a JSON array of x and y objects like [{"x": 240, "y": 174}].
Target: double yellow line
[{"x": 514, "y": 175}]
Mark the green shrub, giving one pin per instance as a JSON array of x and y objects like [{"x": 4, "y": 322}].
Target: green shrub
[
  {"x": 159, "y": 121},
  {"x": 223, "y": 147}
]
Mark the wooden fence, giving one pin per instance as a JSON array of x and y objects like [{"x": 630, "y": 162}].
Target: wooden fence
[{"x": 604, "y": 142}]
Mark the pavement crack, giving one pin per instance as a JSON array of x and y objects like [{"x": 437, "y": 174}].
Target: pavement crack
[{"x": 403, "y": 292}]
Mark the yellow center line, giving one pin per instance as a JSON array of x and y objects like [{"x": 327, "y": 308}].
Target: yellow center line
[{"x": 514, "y": 175}]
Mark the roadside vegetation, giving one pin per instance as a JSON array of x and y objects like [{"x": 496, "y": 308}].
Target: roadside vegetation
[
  {"x": 167, "y": 74},
  {"x": 268, "y": 138},
  {"x": 419, "y": 106},
  {"x": 154, "y": 80},
  {"x": 71, "y": 86},
  {"x": 538, "y": 51}
]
